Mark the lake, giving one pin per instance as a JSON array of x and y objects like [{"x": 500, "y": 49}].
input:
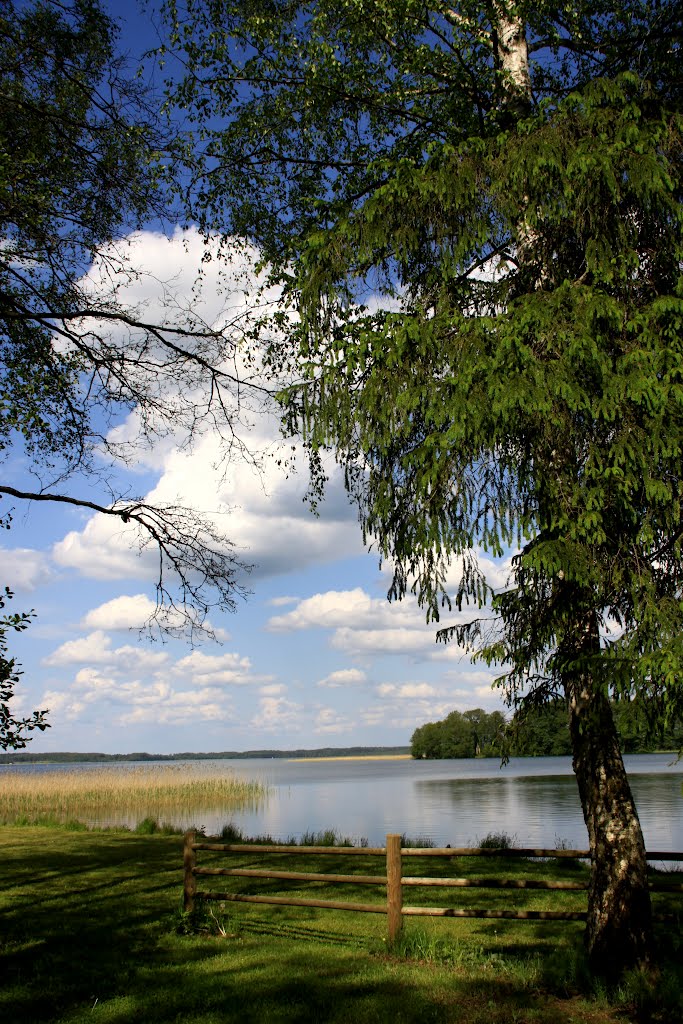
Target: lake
[
  {"x": 534, "y": 800},
  {"x": 457, "y": 802}
]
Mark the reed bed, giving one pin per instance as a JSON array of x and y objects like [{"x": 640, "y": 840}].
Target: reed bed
[{"x": 124, "y": 795}]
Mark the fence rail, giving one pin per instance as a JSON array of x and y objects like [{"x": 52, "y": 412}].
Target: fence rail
[{"x": 394, "y": 879}]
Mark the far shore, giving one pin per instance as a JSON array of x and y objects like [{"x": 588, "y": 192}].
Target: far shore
[{"x": 357, "y": 757}]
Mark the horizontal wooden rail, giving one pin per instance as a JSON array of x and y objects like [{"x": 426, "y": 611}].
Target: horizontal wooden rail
[
  {"x": 474, "y": 851},
  {"x": 395, "y": 881},
  {"x": 512, "y": 915},
  {"x": 297, "y": 876},
  {"x": 376, "y": 851},
  {"x": 492, "y": 883},
  {"x": 294, "y": 901}
]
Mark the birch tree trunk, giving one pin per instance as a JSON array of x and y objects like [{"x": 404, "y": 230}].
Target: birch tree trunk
[{"x": 618, "y": 933}]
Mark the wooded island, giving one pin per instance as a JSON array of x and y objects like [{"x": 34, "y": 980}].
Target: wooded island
[{"x": 540, "y": 731}]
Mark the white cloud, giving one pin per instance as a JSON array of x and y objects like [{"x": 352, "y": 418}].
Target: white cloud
[
  {"x": 406, "y": 690},
  {"x": 191, "y": 708},
  {"x": 327, "y": 720},
  {"x": 106, "y": 549},
  {"x": 343, "y": 677},
  {"x": 496, "y": 571},
  {"x": 359, "y": 642},
  {"x": 260, "y": 510},
  {"x": 333, "y": 608},
  {"x": 368, "y": 627},
  {"x": 273, "y": 689},
  {"x": 124, "y": 612},
  {"x": 217, "y": 670},
  {"x": 61, "y": 705},
  {"x": 350, "y": 609},
  {"x": 95, "y": 648},
  {"x": 98, "y": 694},
  {"x": 277, "y": 713},
  {"x": 24, "y": 569},
  {"x": 136, "y": 611}
]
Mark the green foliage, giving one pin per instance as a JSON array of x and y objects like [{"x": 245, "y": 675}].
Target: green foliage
[
  {"x": 540, "y": 730},
  {"x": 151, "y": 827},
  {"x": 13, "y": 731},
  {"x": 74, "y": 173},
  {"x": 517, "y": 378},
  {"x": 470, "y": 734},
  {"x": 82, "y": 166},
  {"x": 476, "y": 216}
]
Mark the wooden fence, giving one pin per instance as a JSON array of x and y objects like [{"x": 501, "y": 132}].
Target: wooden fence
[{"x": 393, "y": 854}]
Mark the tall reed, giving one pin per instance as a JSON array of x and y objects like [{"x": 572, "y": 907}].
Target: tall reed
[{"x": 123, "y": 795}]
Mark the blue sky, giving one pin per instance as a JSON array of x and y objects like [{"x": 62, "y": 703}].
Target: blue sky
[{"x": 316, "y": 656}]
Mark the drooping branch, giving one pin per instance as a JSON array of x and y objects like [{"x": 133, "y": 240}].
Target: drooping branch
[{"x": 197, "y": 571}]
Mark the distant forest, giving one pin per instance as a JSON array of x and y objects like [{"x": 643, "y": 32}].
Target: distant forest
[
  {"x": 65, "y": 757},
  {"x": 536, "y": 732}
]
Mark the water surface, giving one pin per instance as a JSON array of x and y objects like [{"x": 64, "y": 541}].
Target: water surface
[{"x": 535, "y": 800}]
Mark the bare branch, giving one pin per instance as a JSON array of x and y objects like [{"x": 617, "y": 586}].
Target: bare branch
[{"x": 198, "y": 569}]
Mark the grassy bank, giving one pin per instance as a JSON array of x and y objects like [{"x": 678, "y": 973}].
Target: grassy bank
[
  {"x": 124, "y": 794},
  {"x": 92, "y": 930}
]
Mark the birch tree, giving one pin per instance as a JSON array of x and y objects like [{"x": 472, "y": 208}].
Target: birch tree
[{"x": 475, "y": 211}]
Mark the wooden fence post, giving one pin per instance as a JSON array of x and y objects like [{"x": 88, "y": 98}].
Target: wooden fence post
[
  {"x": 394, "y": 887},
  {"x": 189, "y": 862}
]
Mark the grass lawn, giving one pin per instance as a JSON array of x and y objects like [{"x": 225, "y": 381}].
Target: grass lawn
[{"x": 91, "y": 929}]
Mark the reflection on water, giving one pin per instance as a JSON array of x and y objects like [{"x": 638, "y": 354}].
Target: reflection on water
[
  {"x": 536, "y": 811},
  {"x": 540, "y": 811},
  {"x": 456, "y": 802}
]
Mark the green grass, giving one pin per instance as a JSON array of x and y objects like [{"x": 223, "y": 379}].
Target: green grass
[{"x": 91, "y": 929}]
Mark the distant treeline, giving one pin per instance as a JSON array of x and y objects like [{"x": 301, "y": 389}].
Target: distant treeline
[
  {"x": 72, "y": 758},
  {"x": 536, "y": 732}
]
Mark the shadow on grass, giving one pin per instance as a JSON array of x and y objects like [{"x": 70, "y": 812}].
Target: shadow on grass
[{"x": 87, "y": 932}]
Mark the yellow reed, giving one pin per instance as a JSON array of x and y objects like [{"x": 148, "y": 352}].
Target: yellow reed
[{"x": 122, "y": 792}]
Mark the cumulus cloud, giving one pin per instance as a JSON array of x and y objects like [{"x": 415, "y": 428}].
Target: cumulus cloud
[
  {"x": 124, "y": 612},
  {"x": 107, "y": 549},
  {"x": 96, "y": 648},
  {"x": 192, "y": 707},
  {"x": 104, "y": 694},
  {"x": 327, "y": 720},
  {"x": 333, "y": 608},
  {"x": 343, "y": 677},
  {"x": 64, "y": 705},
  {"x": 360, "y": 642},
  {"x": 277, "y": 713},
  {"x": 24, "y": 569},
  {"x": 255, "y": 503},
  {"x": 126, "y": 685},
  {"x": 406, "y": 690},
  {"x": 217, "y": 670},
  {"x": 337, "y": 608}
]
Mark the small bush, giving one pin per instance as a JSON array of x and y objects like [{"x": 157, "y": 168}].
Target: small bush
[
  {"x": 496, "y": 841},
  {"x": 231, "y": 833},
  {"x": 74, "y": 826},
  {"x": 326, "y": 837},
  {"x": 146, "y": 827},
  {"x": 417, "y": 843}
]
